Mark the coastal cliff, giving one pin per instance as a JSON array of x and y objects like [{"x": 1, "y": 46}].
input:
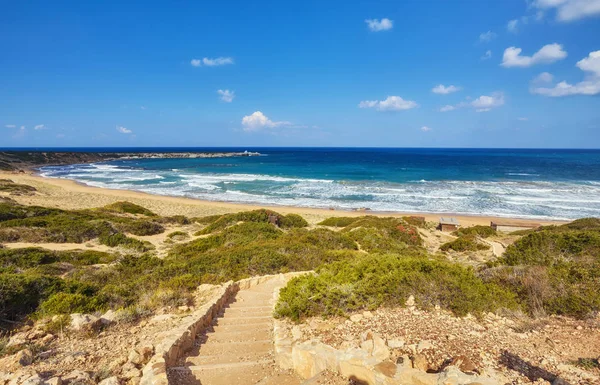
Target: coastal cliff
[{"x": 26, "y": 160}]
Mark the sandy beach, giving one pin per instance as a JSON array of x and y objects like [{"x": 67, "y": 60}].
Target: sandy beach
[{"x": 67, "y": 194}]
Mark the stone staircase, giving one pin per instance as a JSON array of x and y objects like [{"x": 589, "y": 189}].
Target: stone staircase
[{"x": 238, "y": 348}]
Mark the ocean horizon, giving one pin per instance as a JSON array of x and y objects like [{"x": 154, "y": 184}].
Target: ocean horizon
[{"x": 516, "y": 183}]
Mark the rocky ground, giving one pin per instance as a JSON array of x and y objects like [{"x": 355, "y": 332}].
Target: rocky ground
[
  {"x": 109, "y": 349},
  {"x": 514, "y": 348}
]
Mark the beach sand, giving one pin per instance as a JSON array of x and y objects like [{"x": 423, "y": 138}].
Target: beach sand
[{"x": 67, "y": 194}]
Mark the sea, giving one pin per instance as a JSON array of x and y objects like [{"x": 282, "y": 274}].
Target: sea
[{"x": 516, "y": 183}]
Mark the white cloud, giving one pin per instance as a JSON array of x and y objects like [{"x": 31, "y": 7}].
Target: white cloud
[
  {"x": 226, "y": 95},
  {"x": 570, "y": 10},
  {"x": 218, "y": 61},
  {"x": 10, "y": 126},
  {"x": 441, "y": 89},
  {"x": 513, "y": 26},
  {"x": 589, "y": 86},
  {"x": 523, "y": 119},
  {"x": 485, "y": 103},
  {"x": 544, "y": 77},
  {"x": 377, "y": 25},
  {"x": 486, "y": 37},
  {"x": 124, "y": 130},
  {"x": 487, "y": 55},
  {"x": 258, "y": 121},
  {"x": 547, "y": 54},
  {"x": 392, "y": 103},
  {"x": 425, "y": 129},
  {"x": 447, "y": 108},
  {"x": 39, "y": 127}
]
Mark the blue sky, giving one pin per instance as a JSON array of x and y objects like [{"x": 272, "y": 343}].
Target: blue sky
[{"x": 514, "y": 73}]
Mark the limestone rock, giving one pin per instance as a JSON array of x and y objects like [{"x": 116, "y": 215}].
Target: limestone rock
[
  {"x": 380, "y": 350},
  {"x": 33, "y": 380},
  {"x": 419, "y": 361},
  {"x": 84, "y": 322},
  {"x": 17, "y": 340},
  {"x": 53, "y": 381},
  {"x": 109, "y": 381},
  {"x": 356, "y": 318},
  {"x": 109, "y": 317},
  {"x": 146, "y": 351},
  {"x": 24, "y": 357},
  {"x": 135, "y": 358},
  {"x": 410, "y": 302},
  {"x": 78, "y": 377},
  {"x": 464, "y": 364},
  {"x": 395, "y": 343}
]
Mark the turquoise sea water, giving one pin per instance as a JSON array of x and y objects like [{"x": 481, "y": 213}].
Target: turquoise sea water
[{"x": 557, "y": 184}]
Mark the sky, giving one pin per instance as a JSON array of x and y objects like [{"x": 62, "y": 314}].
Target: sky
[{"x": 412, "y": 73}]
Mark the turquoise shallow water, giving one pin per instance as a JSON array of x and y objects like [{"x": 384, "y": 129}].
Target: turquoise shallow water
[{"x": 545, "y": 184}]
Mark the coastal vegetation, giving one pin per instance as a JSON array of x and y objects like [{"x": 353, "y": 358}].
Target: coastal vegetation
[{"x": 360, "y": 263}]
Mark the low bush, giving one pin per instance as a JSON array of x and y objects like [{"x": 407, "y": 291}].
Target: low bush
[
  {"x": 257, "y": 216},
  {"x": 479, "y": 231},
  {"x": 339, "y": 221},
  {"x": 178, "y": 235},
  {"x": 67, "y": 303},
  {"x": 128, "y": 208},
  {"x": 119, "y": 239},
  {"x": 372, "y": 281},
  {"x": 464, "y": 243}
]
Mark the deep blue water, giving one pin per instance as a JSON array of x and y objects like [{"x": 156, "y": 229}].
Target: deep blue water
[{"x": 515, "y": 183}]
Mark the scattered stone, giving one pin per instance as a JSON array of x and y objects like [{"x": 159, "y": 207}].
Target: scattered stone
[
  {"x": 47, "y": 338},
  {"x": 109, "y": 317},
  {"x": 367, "y": 314},
  {"x": 183, "y": 308},
  {"x": 85, "y": 322},
  {"x": 395, "y": 343},
  {"x": 419, "y": 361},
  {"x": 356, "y": 318},
  {"x": 135, "y": 358},
  {"x": 109, "y": 381},
  {"x": 146, "y": 351},
  {"x": 410, "y": 302},
  {"x": 53, "y": 381},
  {"x": 424, "y": 345},
  {"x": 17, "y": 340},
  {"x": 24, "y": 357},
  {"x": 160, "y": 318},
  {"x": 78, "y": 377},
  {"x": 33, "y": 380},
  {"x": 464, "y": 364}
]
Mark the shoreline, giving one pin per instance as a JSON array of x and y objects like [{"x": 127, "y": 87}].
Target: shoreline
[{"x": 70, "y": 194}]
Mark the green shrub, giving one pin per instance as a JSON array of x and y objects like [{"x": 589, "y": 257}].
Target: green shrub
[
  {"x": 339, "y": 221},
  {"x": 372, "y": 281},
  {"x": 206, "y": 220},
  {"x": 178, "y": 235},
  {"x": 464, "y": 243},
  {"x": 128, "y": 208},
  {"x": 292, "y": 221},
  {"x": 141, "y": 228},
  {"x": 120, "y": 239},
  {"x": 20, "y": 294},
  {"x": 479, "y": 231},
  {"x": 547, "y": 247},
  {"x": 257, "y": 216},
  {"x": 564, "y": 289},
  {"x": 68, "y": 303}
]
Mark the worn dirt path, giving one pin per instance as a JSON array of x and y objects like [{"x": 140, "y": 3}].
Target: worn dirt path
[{"x": 238, "y": 348}]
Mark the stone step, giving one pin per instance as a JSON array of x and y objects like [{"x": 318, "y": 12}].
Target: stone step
[
  {"x": 250, "y": 321},
  {"x": 239, "y": 335},
  {"x": 281, "y": 378},
  {"x": 231, "y": 353},
  {"x": 219, "y": 348},
  {"x": 240, "y": 373}
]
